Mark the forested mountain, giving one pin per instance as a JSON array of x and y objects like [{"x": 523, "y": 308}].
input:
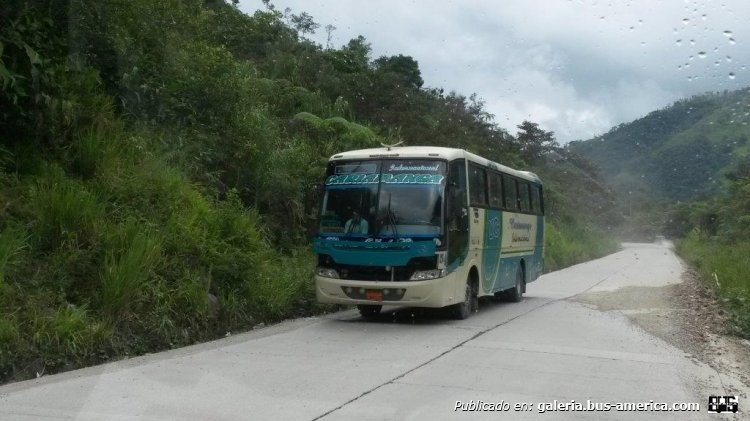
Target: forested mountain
[
  {"x": 682, "y": 152},
  {"x": 156, "y": 160}
]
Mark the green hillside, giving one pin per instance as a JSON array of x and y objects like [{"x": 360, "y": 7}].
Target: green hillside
[
  {"x": 681, "y": 152},
  {"x": 157, "y": 161}
]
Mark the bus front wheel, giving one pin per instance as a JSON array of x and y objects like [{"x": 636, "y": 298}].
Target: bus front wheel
[{"x": 463, "y": 309}]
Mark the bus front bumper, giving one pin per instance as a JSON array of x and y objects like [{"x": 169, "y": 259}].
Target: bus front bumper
[{"x": 439, "y": 292}]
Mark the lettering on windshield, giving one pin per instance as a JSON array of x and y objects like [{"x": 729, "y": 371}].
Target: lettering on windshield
[
  {"x": 346, "y": 179},
  {"x": 352, "y": 179},
  {"x": 402, "y": 167},
  {"x": 411, "y": 179}
]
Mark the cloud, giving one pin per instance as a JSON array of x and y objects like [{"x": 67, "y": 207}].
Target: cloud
[{"x": 575, "y": 67}]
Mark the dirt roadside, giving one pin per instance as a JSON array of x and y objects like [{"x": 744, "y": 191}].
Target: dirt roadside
[{"x": 686, "y": 315}]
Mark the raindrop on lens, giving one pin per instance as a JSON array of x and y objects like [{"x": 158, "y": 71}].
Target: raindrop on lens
[
  {"x": 702, "y": 54},
  {"x": 731, "y": 75}
]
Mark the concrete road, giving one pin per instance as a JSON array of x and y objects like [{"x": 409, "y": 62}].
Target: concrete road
[{"x": 548, "y": 349}]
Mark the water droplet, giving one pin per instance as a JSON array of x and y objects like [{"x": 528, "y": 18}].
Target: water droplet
[
  {"x": 728, "y": 34},
  {"x": 685, "y": 21},
  {"x": 702, "y": 54},
  {"x": 731, "y": 75},
  {"x": 678, "y": 42},
  {"x": 717, "y": 63},
  {"x": 731, "y": 40},
  {"x": 643, "y": 43},
  {"x": 631, "y": 28},
  {"x": 601, "y": 17},
  {"x": 692, "y": 42},
  {"x": 729, "y": 59},
  {"x": 679, "y": 67},
  {"x": 690, "y": 78},
  {"x": 703, "y": 16}
]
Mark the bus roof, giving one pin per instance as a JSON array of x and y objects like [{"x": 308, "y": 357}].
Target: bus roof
[{"x": 431, "y": 152}]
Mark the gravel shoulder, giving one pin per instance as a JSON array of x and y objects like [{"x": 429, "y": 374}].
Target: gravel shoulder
[{"x": 688, "y": 316}]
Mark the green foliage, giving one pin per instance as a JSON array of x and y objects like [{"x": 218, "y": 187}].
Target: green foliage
[
  {"x": 156, "y": 166},
  {"x": 694, "y": 140},
  {"x": 65, "y": 210},
  {"x": 574, "y": 243},
  {"x": 725, "y": 268},
  {"x": 127, "y": 266},
  {"x": 12, "y": 243}
]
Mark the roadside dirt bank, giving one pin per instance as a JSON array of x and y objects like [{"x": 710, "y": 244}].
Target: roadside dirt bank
[{"x": 688, "y": 316}]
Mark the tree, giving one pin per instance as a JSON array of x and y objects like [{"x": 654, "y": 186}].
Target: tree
[
  {"x": 534, "y": 142},
  {"x": 405, "y": 67}
]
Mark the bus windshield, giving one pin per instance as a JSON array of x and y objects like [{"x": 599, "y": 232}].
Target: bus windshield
[{"x": 384, "y": 198}]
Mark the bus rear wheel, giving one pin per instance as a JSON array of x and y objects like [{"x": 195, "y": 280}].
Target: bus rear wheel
[
  {"x": 515, "y": 294},
  {"x": 369, "y": 311}
]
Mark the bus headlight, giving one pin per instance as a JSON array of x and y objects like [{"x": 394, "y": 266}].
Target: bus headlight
[
  {"x": 327, "y": 273},
  {"x": 423, "y": 275}
]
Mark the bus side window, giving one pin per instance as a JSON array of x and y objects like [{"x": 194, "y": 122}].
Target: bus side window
[
  {"x": 509, "y": 193},
  {"x": 541, "y": 200},
  {"x": 496, "y": 190},
  {"x": 523, "y": 196},
  {"x": 536, "y": 205},
  {"x": 477, "y": 186}
]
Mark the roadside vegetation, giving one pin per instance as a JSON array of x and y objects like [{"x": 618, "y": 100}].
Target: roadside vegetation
[
  {"x": 715, "y": 239},
  {"x": 156, "y": 165}
]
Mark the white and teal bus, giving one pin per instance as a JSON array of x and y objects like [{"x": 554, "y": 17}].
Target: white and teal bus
[{"x": 426, "y": 227}]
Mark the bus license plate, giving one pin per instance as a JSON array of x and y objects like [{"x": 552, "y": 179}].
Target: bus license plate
[{"x": 374, "y": 295}]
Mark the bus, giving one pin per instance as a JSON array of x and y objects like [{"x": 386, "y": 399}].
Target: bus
[{"x": 424, "y": 226}]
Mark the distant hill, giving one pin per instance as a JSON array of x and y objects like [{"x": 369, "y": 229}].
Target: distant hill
[{"x": 681, "y": 152}]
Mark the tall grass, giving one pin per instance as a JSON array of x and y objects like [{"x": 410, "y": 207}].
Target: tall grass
[
  {"x": 726, "y": 268},
  {"x": 567, "y": 244},
  {"x": 128, "y": 264},
  {"x": 12, "y": 242},
  {"x": 66, "y": 211}
]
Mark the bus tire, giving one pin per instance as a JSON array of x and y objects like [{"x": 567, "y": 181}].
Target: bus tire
[
  {"x": 515, "y": 294},
  {"x": 369, "y": 311},
  {"x": 463, "y": 309}
]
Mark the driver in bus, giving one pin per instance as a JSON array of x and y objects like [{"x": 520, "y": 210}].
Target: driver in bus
[{"x": 356, "y": 225}]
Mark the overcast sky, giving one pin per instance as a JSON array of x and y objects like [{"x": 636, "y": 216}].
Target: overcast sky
[{"x": 575, "y": 67}]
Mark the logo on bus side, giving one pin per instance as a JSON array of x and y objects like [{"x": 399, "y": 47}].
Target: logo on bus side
[
  {"x": 493, "y": 230},
  {"x": 520, "y": 226}
]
